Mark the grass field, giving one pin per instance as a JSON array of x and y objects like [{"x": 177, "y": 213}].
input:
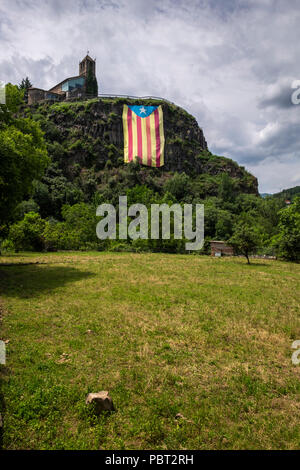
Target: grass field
[{"x": 164, "y": 334}]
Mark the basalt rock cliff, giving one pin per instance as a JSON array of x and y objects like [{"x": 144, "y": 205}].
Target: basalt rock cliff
[{"x": 85, "y": 141}]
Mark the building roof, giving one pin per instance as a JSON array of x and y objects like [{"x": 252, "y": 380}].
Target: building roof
[
  {"x": 35, "y": 88},
  {"x": 65, "y": 80},
  {"x": 87, "y": 57}
]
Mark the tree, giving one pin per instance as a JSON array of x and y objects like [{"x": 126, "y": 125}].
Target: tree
[
  {"x": 23, "y": 154},
  {"x": 76, "y": 232},
  {"x": 91, "y": 84},
  {"x": 244, "y": 240},
  {"x": 24, "y": 85},
  {"x": 28, "y": 233},
  {"x": 179, "y": 185},
  {"x": 226, "y": 190},
  {"x": 288, "y": 239},
  {"x": 24, "y": 207},
  {"x": 14, "y": 98},
  {"x": 53, "y": 191},
  {"x": 224, "y": 224}
]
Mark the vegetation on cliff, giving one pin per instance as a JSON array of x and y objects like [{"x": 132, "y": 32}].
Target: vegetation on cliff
[
  {"x": 90, "y": 134},
  {"x": 289, "y": 194}
]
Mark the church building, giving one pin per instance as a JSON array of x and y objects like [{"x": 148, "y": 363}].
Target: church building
[{"x": 83, "y": 85}]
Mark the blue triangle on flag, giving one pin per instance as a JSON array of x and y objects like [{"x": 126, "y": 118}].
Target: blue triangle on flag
[{"x": 141, "y": 110}]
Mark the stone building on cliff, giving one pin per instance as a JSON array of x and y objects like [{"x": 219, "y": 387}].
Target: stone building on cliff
[{"x": 83, "y": 85}]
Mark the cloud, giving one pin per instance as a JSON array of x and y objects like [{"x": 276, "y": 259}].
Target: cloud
[
  {"x": 278, "y": 95},
  {"x": 229, "y": 63}
]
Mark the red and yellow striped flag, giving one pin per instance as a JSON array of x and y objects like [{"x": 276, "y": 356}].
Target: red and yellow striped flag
[{"x": 144, "y": 139}]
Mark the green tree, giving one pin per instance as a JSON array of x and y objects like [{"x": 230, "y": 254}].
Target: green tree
[
  {"x": 23, "y": 155},
  {"x": 91, "y": 84},
  {"x": 226, "y": 190},
  {"x": 179, "y": 185},
  {"x": 140, "y": 194},
  {"x": 244, "y": 240},
  {"x": 81, "y": 218},
  {"x": 25, "y": 85},
  {"x": 77, "y": 231},
  {"x": 288, "y": 239},
  {"x": 14, "y": 98},
  {"x": 224, "y": 224},
  {"x": 28, "y": 233},
  {"x": 24, "y": 207},
  {"x": 268, "y": 217},
  {"x": 53, "y": 191}
]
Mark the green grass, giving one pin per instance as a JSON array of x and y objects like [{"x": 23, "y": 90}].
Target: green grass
[{"x": 164, "y": 334}]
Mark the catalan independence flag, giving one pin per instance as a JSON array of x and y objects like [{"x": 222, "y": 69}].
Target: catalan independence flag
[{"x": 144, "y": 139}]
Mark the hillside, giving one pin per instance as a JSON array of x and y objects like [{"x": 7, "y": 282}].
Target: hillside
[
  {"x": 288, "y": 193},
  {"x": 85, "y": 142}
]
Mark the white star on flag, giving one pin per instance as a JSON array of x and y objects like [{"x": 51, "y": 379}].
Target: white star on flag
[{"x": 142, "y": 110}]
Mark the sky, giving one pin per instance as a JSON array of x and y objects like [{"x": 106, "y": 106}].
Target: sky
[{"x": 230, "y": 63}]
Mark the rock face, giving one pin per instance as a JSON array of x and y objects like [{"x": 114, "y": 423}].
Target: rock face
[
  {"x": 89, "y": 135},
  {"x": 101, "y": 402}
]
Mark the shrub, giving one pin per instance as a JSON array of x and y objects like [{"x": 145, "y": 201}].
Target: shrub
[
  {"x": 77, "y": 232},
  {"x": 55, "y": 235},
  {"x": 7, "y": 246},
  {"x": 28, "y": 233},
  {"x": 24, "y": 207}
]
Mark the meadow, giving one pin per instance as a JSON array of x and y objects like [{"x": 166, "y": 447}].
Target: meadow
[{"x": 164, "y": 334}]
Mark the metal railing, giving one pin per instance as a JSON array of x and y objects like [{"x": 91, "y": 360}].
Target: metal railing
[
  {"x": 111, "y": 95},
  {"x": 101, "y": 95}
]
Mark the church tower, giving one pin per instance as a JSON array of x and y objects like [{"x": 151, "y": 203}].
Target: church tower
[
  {"x": 87, "y": 70},
  {"x": 86, "y": 66}
]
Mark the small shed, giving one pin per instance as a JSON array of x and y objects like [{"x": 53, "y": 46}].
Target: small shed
[{"x": 220, "y": 248}]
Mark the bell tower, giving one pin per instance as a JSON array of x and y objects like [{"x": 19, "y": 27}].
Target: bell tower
[{"x": 86, "y": 66}]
